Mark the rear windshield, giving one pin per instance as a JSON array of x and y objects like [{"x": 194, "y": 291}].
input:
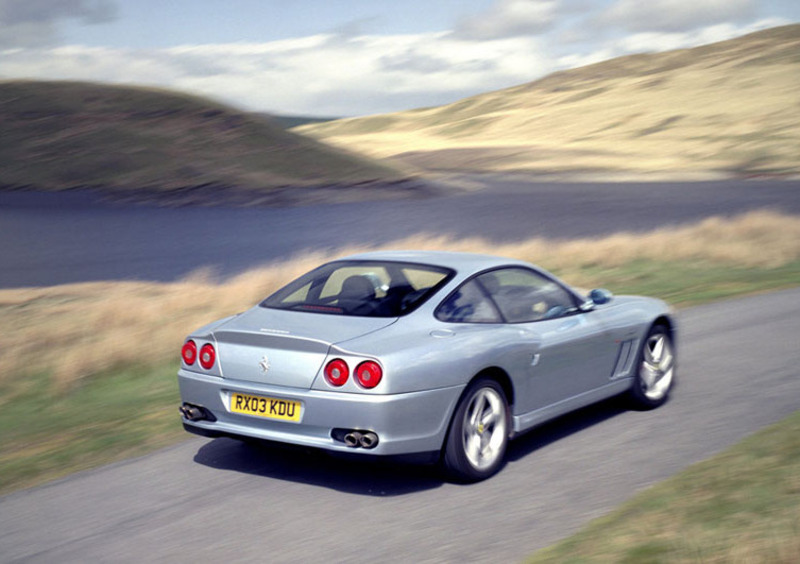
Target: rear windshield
[{"x": 363, "y": 288}]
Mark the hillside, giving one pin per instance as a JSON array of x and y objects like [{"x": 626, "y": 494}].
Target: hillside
[
  {"x": 288, "y": 122},
  {"x": 59, "y": 135},
  {"x": 731, "y": 107}
]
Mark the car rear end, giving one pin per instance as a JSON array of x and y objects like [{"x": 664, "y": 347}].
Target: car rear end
[{"x": 263, "y": 375}]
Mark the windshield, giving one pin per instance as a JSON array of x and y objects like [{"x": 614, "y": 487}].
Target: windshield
[{"x": 363, "y": 288}]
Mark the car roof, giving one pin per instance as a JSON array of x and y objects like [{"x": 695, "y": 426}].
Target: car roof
[{"x": 460, "y": 262}]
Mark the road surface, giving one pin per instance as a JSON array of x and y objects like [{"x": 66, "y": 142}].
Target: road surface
[{"x": 207, "y": 500}]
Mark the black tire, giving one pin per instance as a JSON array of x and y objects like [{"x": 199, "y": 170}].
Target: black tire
[
  {"x": 654, "y": 376},
  {"x": 475, "y": 450}
]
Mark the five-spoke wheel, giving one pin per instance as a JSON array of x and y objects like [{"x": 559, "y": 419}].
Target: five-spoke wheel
[
  {"x": 655, "y": 370},
  {"x": 476, "y": 444}
]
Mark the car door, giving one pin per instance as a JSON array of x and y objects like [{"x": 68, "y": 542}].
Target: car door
[{"x": 563, "y": 351}]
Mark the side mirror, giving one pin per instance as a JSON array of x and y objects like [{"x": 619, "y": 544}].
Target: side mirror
[{"x": 600, "y": 296}]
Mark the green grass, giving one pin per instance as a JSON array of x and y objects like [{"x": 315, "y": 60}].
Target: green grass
[
  {"x": 49, "y": 430},
  {"x": 46, "y": 435},
  {"x": 742, "y": 505}
]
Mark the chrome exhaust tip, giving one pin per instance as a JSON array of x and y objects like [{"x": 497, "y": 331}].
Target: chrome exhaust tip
[
  {"x": 369, "y": 440},
  {"x": 192, "y": 412},
  {"x": 353, "y": 440}
]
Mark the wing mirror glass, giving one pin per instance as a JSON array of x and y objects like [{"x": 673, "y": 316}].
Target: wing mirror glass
[{"x": 600, "y": 296}]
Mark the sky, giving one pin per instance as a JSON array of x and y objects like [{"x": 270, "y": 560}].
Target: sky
[{"x": 339, "y": 58}]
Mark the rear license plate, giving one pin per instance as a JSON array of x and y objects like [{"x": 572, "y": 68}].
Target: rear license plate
[{"x": 271, "y": 408}]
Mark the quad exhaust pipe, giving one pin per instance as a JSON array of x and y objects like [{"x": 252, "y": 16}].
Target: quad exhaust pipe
[
  {"x": 353, "y": 439},
  {"x": 358, "y": 439},
  {"x": 369, "y": 440},
  {"x": 193, "y": 412}
]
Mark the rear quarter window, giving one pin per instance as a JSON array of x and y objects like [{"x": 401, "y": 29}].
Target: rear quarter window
[{"x": 468, "y": 304}]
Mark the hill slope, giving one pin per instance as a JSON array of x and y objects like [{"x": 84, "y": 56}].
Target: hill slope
[
  {"x": 64, "y": 134},
  {"x": 731, "y": 107}
]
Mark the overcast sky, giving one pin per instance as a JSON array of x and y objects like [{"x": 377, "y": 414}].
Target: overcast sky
[{"x": 351, "y": 57}]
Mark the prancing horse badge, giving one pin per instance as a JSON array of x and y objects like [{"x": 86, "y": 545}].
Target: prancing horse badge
[{"x": 264, "y": 364}]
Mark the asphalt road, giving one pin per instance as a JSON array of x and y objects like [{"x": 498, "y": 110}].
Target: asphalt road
[
  {"x": 221, "y": 500},
  {"x": 52, "y": 239}
]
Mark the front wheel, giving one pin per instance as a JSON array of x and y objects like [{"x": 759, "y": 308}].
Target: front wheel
[
  {"x": 478, "y": 437},
  {"x": 655, "y": 370}
]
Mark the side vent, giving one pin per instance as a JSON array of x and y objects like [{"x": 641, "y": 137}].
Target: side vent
[{"x": 625, "y": 359}]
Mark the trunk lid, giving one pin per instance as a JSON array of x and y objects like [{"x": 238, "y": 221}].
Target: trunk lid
[{"x": 284, "y": 348}]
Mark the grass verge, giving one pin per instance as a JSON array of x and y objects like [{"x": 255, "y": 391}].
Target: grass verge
[
  {"x": 742, "y": 505},
  {"x": 87, "y": 371},
  {"x": 46, "y": 434}
]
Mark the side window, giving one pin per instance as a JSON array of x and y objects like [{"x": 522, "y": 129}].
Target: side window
[
  {"x": 468, "y": 304},
  {"x": 523, "y": 295}
]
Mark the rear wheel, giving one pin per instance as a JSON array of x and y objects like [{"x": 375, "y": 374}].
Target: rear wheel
[
  {"x": 478, "y": 438},
  {"x": 655, "y": 369}
]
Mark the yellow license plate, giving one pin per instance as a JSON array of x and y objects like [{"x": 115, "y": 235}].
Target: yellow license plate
[{"x": 271, "y": 408}]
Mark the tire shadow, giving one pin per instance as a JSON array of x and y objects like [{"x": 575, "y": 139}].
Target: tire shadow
[
  {"x": 365, "y": 475},
  {"x": 566, "y": 425},
  {"x": 361, "y": 475}
]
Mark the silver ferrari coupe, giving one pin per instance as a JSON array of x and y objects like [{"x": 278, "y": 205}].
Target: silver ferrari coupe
[{"x": 436, "y": 353}]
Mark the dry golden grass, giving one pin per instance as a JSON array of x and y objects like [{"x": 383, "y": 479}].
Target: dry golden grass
[
  {"x": 730, "y": 107},
  {"x": 78, "y": 330}
]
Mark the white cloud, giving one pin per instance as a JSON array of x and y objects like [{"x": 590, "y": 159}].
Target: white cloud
[
  {"x": 664, "y": 41},
  {"x": 580, "y": 60},
  {"x": 653, "y": 42},
  {"x": 509, "y": 18},
  {"x": 320, "y": 75},
  {"x": 676, "y": 15},
  {"x": 342, "y": 74}
]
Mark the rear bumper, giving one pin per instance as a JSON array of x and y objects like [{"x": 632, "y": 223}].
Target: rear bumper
[{"x": 408, "y": 423}]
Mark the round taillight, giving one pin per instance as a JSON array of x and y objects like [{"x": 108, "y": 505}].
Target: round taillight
[
  {"x": 207, "y": 356},
  {"x": 336, "y": 372},
  {"x": 189, "y": 352},
  {"x": 369, "y": 374}
]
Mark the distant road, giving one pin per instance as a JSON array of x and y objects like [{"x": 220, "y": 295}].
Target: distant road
[
  {"x": 54, "y": 239},
  {"x": 220, "y": 500}
]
